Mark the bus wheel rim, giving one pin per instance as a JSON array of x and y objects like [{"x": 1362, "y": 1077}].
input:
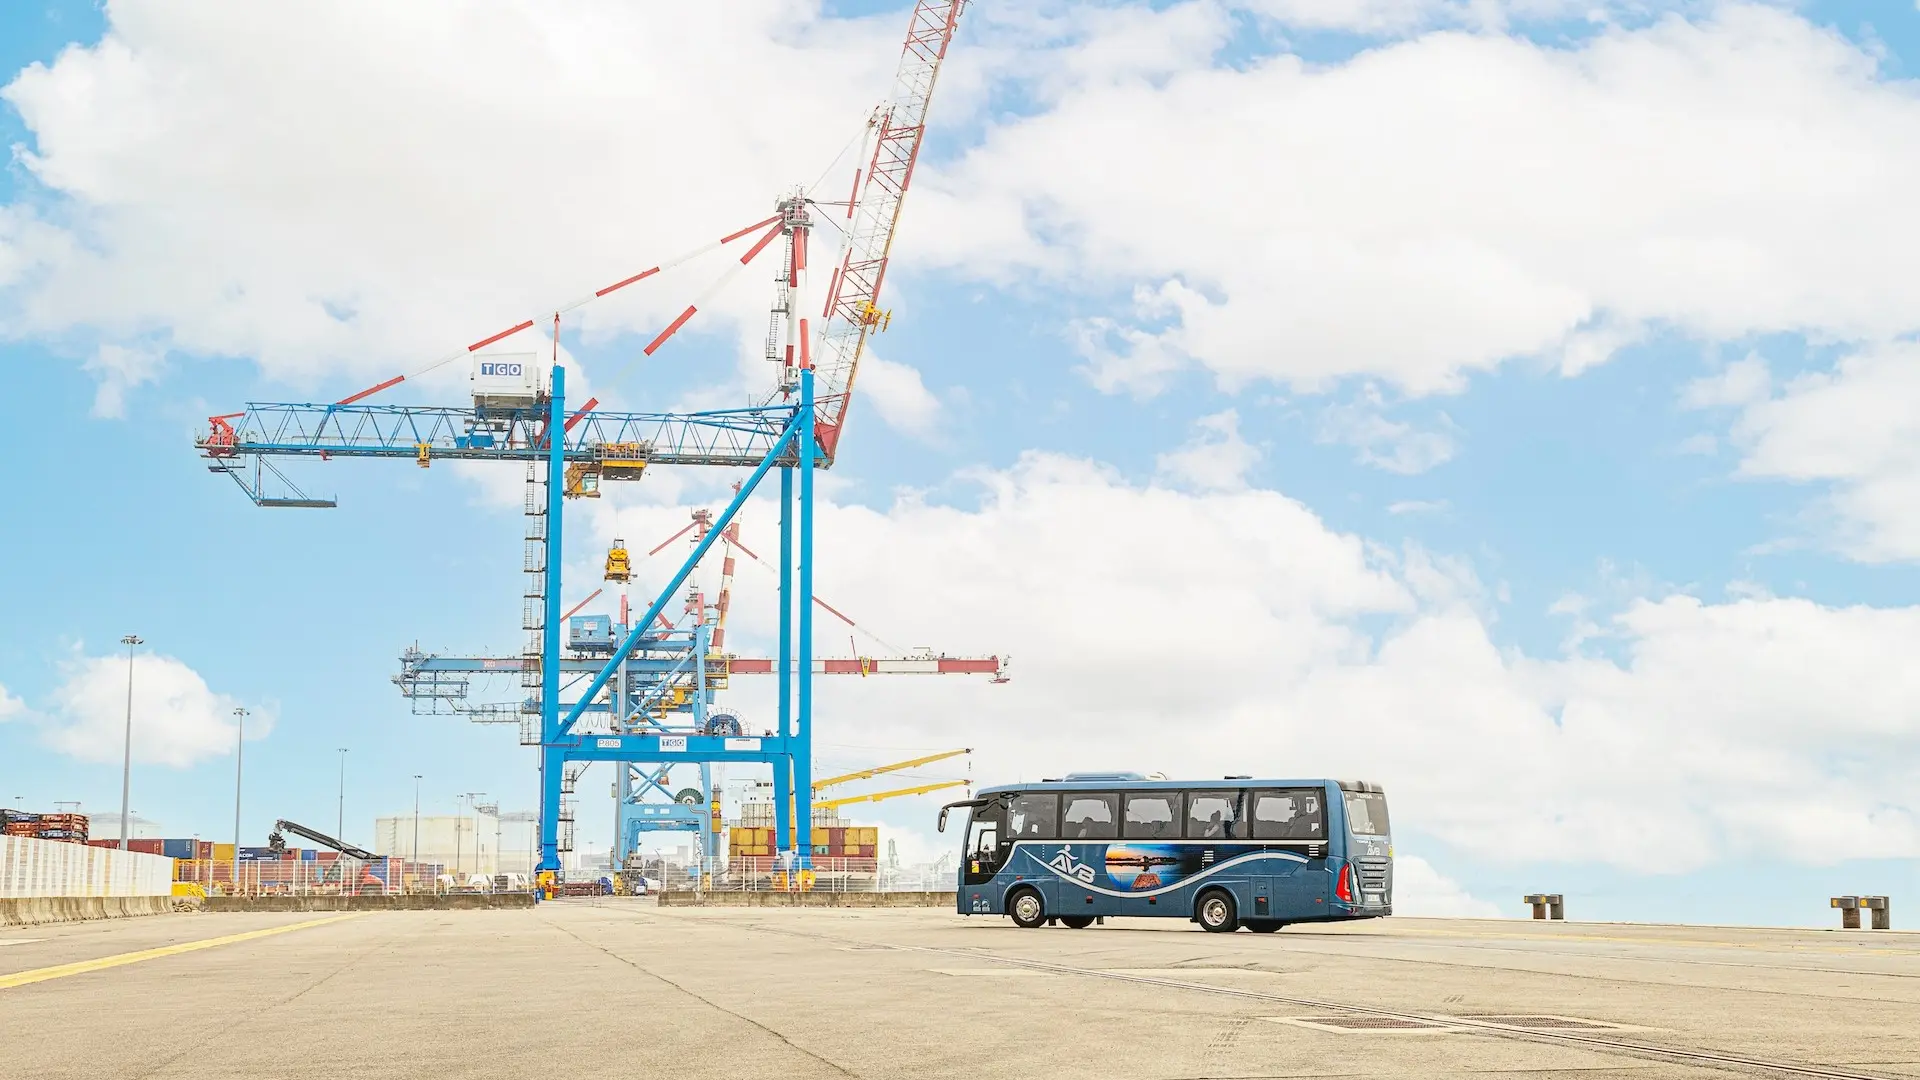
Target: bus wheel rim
[
  {"x": 1027, "y": 906},
  {"x": 1215, "y": 910}
]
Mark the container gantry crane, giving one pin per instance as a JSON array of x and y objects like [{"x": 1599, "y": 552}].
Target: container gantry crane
[
  {"x": 663, "y": 685},
  {"x": 517, "y": 418}
]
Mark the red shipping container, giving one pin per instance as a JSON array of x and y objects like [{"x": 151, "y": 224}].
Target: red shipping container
[{"x": 144, "y": 847}]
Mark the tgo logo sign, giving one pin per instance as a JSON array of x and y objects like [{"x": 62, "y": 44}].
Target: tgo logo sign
[{"x": 492, "y": 368}]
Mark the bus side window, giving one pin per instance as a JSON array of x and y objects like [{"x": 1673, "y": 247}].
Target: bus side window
[
  {"x": 1090, "y": 816},
  {"x": 1034, "y": 817},
  {"x": 1153, "y": 815},
  {"x": 1289, "y": 815},
  {"x": 1210, "y": 815},
  {"x": 1310, "y": 822}
]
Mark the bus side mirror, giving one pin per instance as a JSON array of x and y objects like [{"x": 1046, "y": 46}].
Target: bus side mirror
[{"x": 942, "y": 826}]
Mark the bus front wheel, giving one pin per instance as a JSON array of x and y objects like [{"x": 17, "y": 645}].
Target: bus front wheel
[
  {"x": 1216, "y": 913},
  {"x": 1027, "y": 909},
  {"x": 1264, "y": 926}
]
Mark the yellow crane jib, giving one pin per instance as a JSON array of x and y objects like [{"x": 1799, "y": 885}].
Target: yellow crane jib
[
  {"x": 876, "y": 796},
  {"x": 868, "y": 774}
]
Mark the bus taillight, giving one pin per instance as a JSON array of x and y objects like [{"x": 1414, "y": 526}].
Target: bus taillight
[{"x": 1344, "y": 887}]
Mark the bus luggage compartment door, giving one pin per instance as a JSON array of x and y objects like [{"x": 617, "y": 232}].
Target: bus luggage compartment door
[{"x": 1300, "y": 889}]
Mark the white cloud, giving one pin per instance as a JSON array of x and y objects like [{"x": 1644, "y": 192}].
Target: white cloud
[
  {"x": 1253, "y": 638},
  {"x": 177, "y": 719},
  {"x": 1217, "y": 458},
  {"x": 1392, "y": 445},
  {"x": 896, "y": 392},
  {"x": 1854, "y": 428},
  {"x": 1416, "y": 213},
  {"x": 118, "y": 370},
  {"x": 1419, "y": 506},
  {"x": 1742, "y": 382},
  {"x": 1420, "y": 890},
  {"x": 1432, "y": 207},
  {"x": 11, "y": 708},
  {"x": 359, "y": 188},
  {"x": 1383, "y": 17}
]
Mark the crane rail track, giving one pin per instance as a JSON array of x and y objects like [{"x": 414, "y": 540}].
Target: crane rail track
[{"x": 1623, "y": 1047}]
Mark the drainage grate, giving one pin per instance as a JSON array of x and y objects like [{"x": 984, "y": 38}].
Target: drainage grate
[
  {"x": 1361, "y": 1023},
  {"x": 1551, "y": 1023}
]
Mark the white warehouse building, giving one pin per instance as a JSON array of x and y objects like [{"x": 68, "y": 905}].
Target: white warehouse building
[{"x": 477, "y": 843}]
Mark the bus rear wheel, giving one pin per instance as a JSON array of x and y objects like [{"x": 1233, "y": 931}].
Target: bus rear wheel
[
  {"x": 1215, "y": 913},
  {"x": 1027, "y": 909},
  {"x": 1264, "y": 926},
  {"x": 1077, "y": 922}
]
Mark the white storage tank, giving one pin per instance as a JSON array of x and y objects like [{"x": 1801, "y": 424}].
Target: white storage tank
[{"x": 507, "y": 380}]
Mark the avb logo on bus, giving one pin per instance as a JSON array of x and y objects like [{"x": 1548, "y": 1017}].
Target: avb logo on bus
[{"x": 1072, "y": 867}]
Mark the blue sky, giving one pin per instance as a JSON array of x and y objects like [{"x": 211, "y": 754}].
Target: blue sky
[{"x": 1616, "y": 485}]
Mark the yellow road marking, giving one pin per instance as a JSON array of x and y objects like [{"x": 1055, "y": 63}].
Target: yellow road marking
[{"x": 84, "y": 966}]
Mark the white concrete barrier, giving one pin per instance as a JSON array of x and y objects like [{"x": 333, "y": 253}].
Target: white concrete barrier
[{"x": 44, "y": 868}]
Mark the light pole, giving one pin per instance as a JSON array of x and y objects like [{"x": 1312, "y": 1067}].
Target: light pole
[
  {"x": 416, "y": 817},
  {"x": 126, "y": 763},
  {"x": 470, "y": 797},
  {"x": 340, "y": 818},
  {"x": 239, "y": 753}
]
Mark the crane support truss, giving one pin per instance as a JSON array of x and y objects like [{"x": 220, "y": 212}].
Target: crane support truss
[{"x": 423, "y": 434}]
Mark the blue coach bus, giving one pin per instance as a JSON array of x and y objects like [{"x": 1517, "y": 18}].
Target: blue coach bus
[{"x": 1224, "y": 853}]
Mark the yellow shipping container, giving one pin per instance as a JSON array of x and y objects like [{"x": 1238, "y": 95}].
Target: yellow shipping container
[
  {"x": 819, "y": 836},
  {"x": 223, "y": 853}
]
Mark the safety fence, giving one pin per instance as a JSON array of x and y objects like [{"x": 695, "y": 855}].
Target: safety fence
[
  {"x": 328, "y": 877},
  {"x": 31, "y": 867},
  {"x": 755, "y": 874}
]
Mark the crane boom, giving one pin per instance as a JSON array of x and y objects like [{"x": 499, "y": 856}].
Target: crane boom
[
  {"x": 868, "y": 774},
  {"x": 876, "y": 796},
  {"x": 897, "y": 129},
  {"x": 279, "y": 844}
]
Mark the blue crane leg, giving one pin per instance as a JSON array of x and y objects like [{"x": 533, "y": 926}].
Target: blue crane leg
[
  {"x": 552, "y": 760},
  {"x": 803, "y": 745},
  {"x": 783, "y": 771}
]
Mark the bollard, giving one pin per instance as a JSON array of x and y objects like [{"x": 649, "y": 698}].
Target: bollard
[
  {"x": 1849, "y": 911},
  {"x": 1882, "y": 911},
  {"x": 1547, "y": 905}
]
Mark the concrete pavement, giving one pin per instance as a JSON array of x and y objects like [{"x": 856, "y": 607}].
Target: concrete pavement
[{"x": 620, "y": 986}]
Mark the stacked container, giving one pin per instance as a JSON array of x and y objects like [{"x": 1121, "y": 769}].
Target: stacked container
[{"x": 71, "y": 828}]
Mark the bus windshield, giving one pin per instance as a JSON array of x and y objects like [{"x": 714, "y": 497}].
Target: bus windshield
[{"x": 1366, "y": 813}]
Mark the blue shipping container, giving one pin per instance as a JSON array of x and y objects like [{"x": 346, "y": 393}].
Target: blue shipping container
[
  {"x": 255, "y": 854},
  {"x": 310, "y": 855},
  {"x": 177, "y": 849}
]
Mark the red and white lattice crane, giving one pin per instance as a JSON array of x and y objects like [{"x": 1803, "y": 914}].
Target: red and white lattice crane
[{"x": 894, "y": 135}]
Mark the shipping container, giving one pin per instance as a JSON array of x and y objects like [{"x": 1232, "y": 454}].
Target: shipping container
[
  {"x": 257, "y": 854},
  {"x": 145, "y": 847},
  {"x": 223, "y": 853},
  {"x": 178, "y": 849}
]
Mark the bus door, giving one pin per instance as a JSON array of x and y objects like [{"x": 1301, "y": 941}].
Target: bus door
[
  {"x": 987, "y": 843},
  {"x": 1293, "y": 821}
]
